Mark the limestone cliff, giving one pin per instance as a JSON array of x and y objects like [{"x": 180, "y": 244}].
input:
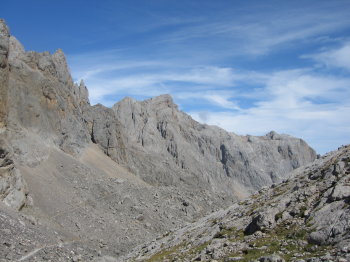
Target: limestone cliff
[
  {"x": 4, "y": 70},
  {"x": 165, "y": 146}
]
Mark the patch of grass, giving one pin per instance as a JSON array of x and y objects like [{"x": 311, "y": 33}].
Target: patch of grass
[
  {"x": 174, "y": 252},
  {"x": 233, "y": 234},
  {"x": 279, "y": 190},
  {"x": 302, "y": 211},
  {"x": 252, "y": 254},
  {"x": 309, "y": 222},
  {"x": 308, "y": 250},
  {"x": 255, "y": 196},
  {"x": 273, "y": 240},
  {"x": 225, "y": 233},
  {"x": 271, "y": 244},
  {"x": 255, "y": 253},
  {"x": 165, "y": 254},
  {"x": 300, "y": 234},
  {"x": 198, "y": 249},
  {"x": 278, "y": 216},
  {"x": 253, "y": 208},
  {"x": 214, "y": 221},
  {"x": 285, "y": 237}
]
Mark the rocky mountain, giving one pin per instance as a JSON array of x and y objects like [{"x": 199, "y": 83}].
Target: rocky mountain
[
  {"x": 305, "y": 218},
  {"x": 96, "y": 181}
]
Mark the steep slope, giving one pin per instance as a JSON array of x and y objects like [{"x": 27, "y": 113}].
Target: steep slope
[
  {"x": 164, "y": 146},
  {"x": 163, "y": 141},
  {"x": 4, "y": 71},
  {"x": 304, "y": 218}
]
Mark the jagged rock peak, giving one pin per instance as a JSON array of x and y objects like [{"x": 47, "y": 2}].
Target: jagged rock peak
[
  {"x": 4, "y": 30},
  {"x": 82, "y": 83},
  {"x": 127, "y": 99},
  {"x": 162, "y": 100},
  {"x": 60, "y": 57},
  {"x": 157, "y": 102},
  {"x": 162, "y": 97},
  {"x": 11, "y": 49},
  {"x": 82, "y": 93},
  {"x": 16, "y": 48},
  {"x": 273, "y": 135}
]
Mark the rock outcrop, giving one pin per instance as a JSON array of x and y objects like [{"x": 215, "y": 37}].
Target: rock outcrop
[
  {"x": 13, "y": 189},
  {"x": 43, "y": 99},
  {"x": 164, "y": 146},
  {"x": 4, "y": 71},
  {"x": 162, "y": 141}
]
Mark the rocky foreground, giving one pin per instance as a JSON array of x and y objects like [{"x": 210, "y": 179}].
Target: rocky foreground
[{"x": 305, "y": 218}]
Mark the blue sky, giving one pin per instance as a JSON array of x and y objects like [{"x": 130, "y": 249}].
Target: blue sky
[{"x": 247, "y": 66}]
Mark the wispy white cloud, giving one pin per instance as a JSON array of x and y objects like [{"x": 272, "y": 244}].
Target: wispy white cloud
[
  {"x": 149, "y": 78},
  {"x": 339, "y": 57},
  {"x": 297, "y": 102},
  {"x": 223, "y": 98},
  {"x": 261, "y": 33},
  {"x": 222, "y": 101}
]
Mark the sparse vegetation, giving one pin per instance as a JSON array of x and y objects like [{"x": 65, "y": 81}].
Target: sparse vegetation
[
  {"x": 302, "y": 211},
  {"x": 278, "y": 216}
]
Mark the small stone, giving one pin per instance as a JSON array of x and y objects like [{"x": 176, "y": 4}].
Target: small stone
[
  {"x": 229, "y": 259},
  {"x": 76, "y": 258},
  {"x": 345, "y": 249},
  {"x": 271, "y": 258},
  {"x": 341, "y": 259}
]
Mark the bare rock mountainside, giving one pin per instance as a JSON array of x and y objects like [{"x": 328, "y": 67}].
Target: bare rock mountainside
[
  {"x": 304, "y": 218},
  {"x": 80, "y": 182}
]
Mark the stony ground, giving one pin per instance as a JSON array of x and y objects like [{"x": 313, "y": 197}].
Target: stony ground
[
  {"x": 305, "y": 218},
  {"x": 92, "y": 207}
]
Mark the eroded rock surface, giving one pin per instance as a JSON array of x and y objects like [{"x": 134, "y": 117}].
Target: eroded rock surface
[
  {"x": 305, "y": 218},
  {"x": 13, "y": 189},
  {"x": 4, "y": 71}
]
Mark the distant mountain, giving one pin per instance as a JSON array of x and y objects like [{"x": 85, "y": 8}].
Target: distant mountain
[{"x": 107, "y": 179}]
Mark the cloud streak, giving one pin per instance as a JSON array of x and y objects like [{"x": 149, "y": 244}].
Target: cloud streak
[
  {"x": 339, "y": 57},
  {"x": 296, "y": 102},
  {"x": 262, "y": 32}
]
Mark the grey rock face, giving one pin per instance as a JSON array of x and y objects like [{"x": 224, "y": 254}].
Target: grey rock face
[
  {"x": 271, "y": 258},
  {"x": 13, "y": 189},
  {"x": 264, "y": 220},
  {"x": 44, "y": 99},
  {"x": 301, "y": 219},
  {"x": 4, "y": 70},
  {"x": 105, "y": 131},
  {"x": 163, "y": 140}
]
